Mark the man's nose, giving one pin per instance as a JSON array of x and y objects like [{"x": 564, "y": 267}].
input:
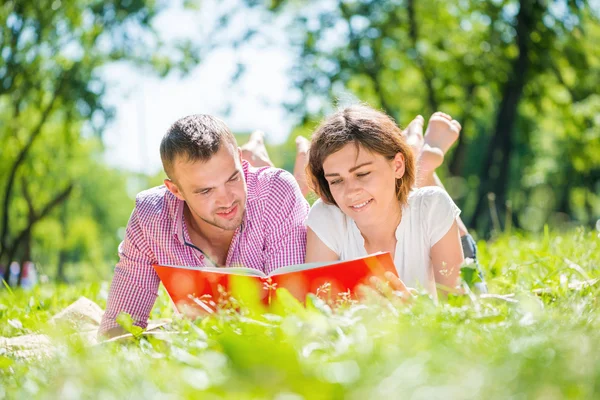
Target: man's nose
[{"x": 225, "y": 196}]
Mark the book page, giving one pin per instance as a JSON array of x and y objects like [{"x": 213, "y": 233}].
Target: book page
[
  {"x": 303, "y": 267},
  {"x": 300, "y": 267},
  {"x": 224, "y": 270}
]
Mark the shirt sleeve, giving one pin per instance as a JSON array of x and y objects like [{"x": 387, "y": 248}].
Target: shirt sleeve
[
  {"x": 134, "y": 287},
  {"x": 285, "y": 212},
  {"x": 439, "y": 213},
  {"x": 327, "y": 222}
]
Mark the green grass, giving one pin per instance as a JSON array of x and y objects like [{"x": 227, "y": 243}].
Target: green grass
[{"x": 530, "y": 347}]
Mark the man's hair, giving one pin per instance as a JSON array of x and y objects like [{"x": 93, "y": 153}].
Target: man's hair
[
  {"x": 195, "y": 138},
  {"x": 367, "y": 128}
]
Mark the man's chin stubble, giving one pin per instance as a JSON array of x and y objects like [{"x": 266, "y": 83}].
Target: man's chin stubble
[{"x": 227, "y": 228}]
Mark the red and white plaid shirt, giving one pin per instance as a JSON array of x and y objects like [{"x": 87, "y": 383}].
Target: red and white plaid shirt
[{"x": 272, "y": 235}]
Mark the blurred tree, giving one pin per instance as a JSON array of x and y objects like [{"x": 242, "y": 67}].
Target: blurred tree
[
  {"x": 52, "y": 111},
  {"x": 521, "y": 76}
]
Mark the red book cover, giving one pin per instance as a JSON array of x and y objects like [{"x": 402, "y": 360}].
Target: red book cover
[{"x": 200, "y": 287}]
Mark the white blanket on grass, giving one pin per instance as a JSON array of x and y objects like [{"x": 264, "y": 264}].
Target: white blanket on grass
[{"x": 83, "y": 315}]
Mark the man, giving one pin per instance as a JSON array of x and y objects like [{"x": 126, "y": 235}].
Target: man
[{"x": 213, "y": 210}]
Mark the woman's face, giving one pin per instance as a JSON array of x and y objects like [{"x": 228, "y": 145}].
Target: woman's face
[{"x": 363, "y": 183}]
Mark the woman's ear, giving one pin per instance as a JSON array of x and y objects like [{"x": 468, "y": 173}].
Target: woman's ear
[{"x": 399, "y": 165}]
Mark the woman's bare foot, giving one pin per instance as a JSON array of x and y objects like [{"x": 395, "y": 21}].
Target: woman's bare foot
[
  {"x": 414, "y": 134},
  {"x": 302, "y": 147},
  {"x": 442, "y": 131},
  {"x": 255, "y": 151},
  {"x": 427, "y": 157}
]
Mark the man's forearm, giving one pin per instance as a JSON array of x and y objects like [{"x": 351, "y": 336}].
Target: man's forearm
[{"x": 129, "y": 295}]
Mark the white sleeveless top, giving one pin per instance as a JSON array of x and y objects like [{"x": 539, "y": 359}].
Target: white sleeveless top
[{"x": 426, "y": 218}]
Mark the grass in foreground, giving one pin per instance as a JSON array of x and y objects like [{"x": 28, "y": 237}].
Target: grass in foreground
[{"x": 527, "y": 346}]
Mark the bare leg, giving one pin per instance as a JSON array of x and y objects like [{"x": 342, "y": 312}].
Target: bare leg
[
  {"x": 302, "y": 146},
  {"x": 414, "y": 134},
  {"x": 255, "y": 151},
  {"x": 442, "y": 132},
  {"x": 256, "y": 154}
]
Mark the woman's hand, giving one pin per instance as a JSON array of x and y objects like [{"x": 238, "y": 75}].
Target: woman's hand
[{"x": 390, "y": 287}]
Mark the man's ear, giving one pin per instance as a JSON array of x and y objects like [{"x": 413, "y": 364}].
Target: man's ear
[
  {"x": 399, "y": 165},
  {"x": 173, "y": 188},
  {"x": 239, "y": 149}
]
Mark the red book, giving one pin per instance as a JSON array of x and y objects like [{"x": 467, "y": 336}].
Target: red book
[{"x": 200, "y": 287}]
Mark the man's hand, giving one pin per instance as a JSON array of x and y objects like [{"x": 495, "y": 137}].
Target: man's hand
[{"x": 112, "y": 333}]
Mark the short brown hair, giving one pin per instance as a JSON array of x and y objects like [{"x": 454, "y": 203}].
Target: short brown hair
[
  {"x": 195, "y": 137},
  {"x": 368, "y": 128}
]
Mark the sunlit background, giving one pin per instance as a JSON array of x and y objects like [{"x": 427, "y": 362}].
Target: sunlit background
[{"x": 87, "y": 89}]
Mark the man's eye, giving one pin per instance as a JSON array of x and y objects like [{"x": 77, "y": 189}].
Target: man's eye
[
  {"x": 205, "y": 191},
  {"x": 235, "y": 178}
]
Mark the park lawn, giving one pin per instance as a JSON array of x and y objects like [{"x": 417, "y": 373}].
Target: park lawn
[{"x": 526, "y": 346}]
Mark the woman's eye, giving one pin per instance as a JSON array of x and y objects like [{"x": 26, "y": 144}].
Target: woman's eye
[
  {"x": 363, "y": 174},
  {"x": 335, "y": 182}
]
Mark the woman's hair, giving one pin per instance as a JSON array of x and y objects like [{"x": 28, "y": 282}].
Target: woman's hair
[{"x": 367, "y": 128}]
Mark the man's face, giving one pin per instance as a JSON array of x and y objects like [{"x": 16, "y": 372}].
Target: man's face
[{"x": 214, "y": 190}]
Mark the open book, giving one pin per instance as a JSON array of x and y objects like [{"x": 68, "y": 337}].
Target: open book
[{"x": 201, "y": 287}]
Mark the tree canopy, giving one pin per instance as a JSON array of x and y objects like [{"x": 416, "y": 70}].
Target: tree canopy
[
  {"x": 54, "y": 187},
  {"x": 521, "y": 77}
]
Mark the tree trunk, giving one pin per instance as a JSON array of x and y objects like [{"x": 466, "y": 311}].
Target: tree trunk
[
  {"x": 60, "y": 269},
  {"x": 427, "y": 76},
  {"x": 11, "y": 252},
  {"x": 62, "y": 255},
  {"x": 36, "y": 216},
  {"x": 501, "y": 146},
  {"x": 457, "y": 163},
  {"x": 21, "y": 157},
  {"x": 25, "y": 257}
]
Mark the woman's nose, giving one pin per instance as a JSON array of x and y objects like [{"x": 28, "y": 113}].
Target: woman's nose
[{"x": 352, "y": 186}]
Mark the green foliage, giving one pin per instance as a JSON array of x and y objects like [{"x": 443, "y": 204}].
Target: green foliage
[
  {"x": 59, "y": 203},
  {"x": 518, "y": 345},
  {"x": 520, "y": 76},
  {"x": 125, "y": 321}
]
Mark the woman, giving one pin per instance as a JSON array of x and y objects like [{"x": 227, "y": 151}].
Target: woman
[{"x": 364, "y": 172}]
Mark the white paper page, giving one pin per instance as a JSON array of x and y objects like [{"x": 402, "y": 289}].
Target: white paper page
[
  {"x": 300, "y": 267},
  {"x": 225, "y": 270}
]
